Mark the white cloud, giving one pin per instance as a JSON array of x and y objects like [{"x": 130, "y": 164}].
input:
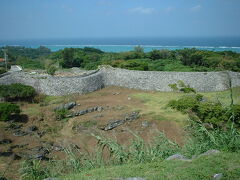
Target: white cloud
[
  {"x": 195, "y": 8},
  {"x": 142, "y": 10},
  {"x": 169, "y": 9}
]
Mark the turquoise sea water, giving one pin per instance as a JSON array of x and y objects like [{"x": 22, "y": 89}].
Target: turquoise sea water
[
  {"x": 147, "y": 48},
  {"x": 128, "y": 44}
]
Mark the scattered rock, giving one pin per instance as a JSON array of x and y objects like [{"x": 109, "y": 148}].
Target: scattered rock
[
  {"x": 20, "y": 133},
  {"x": 178, "y": 157},
  {"x": 218, "y": 176},
  {"x": 128, "y": 118},
  {"x": 13, "y": 126},
  {"x": 116, "y": 93},
  {"x": 132, "y": 178},
  {"x": 113, "y": 125},
  {"x": 129, "y": 98},
  {"x": 38, "y": 152},
  {"x": 66, "y": 106},
  {"x": 99, "y": 109},
  {"x": 210, "y": 152},
  {"x": 131, "y": 117},
  {"x": 6, "y": 154},
  {"x": 32, "y": 129},
  {"x": 57, "y": 148},
  {"x": 6, "y": 141},
  {"x": 145, "y": 124},
  {"x": 89, "y": 110}
]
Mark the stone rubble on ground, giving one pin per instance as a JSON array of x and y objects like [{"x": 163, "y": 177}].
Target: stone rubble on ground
[
  {"x": 218, "y": 176},
  {"x": 183, "y": 158},
  {"x": 66, "y": 106},
  {"x": 178, "y": 156},
  {"x": 128, "y": 118}
]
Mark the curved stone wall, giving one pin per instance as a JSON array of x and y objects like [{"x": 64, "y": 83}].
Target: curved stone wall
[
  {"x": 159, "y": 81},
  {"x": 144, "y": 80},
  {"x": 55, "y": 86}
]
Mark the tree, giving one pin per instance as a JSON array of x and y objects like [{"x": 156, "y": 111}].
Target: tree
[{"x": 139, "y": 49}]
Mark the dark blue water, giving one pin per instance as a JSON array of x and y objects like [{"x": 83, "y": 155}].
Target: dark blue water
[{"x": 128, "y": 44}]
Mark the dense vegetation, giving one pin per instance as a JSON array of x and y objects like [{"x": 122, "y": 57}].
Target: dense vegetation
[
  {"x": 8, "y": 109},
  {"x": 15, "y": 92},
  {"x": 156, "y": 60}
]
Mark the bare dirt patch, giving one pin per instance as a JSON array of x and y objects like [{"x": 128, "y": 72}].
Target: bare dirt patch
[{"x": 116, "y": 102}]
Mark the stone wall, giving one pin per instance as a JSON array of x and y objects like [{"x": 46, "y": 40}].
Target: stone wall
[
  {"x": 144, "y": 80},
  {"x": 55, "y": 86},
  {"x": 159, "y": 81}
]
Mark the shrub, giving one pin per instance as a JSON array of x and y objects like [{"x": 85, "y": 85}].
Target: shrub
[
  {"x": 2, "y": 70},
  {"x": 173, "y": 87},
  {"x": 182, "y": 87},
  {"x": 7, "y": 109},
  {"x": 51, "y": 70},
  {"x": 207, "y": 112},
  {"x": 213, "y": 113},
  {"x": 17, "y": 92},
  {"x": 33, "y": 170},
  {"x": 61, "y": 114},
  {"x": 185, "y": 88},
  {"x": 185, "y": 103}
]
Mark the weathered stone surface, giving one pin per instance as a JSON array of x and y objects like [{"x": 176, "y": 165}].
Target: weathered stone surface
[
  {"x": 210, "y": 152},
  {"x": 6, "y": 141},
  {"x": 13, "y": 126},
  {"x": 89, "y": 110},
  {"x": 144, "y": 80},
  {"x": 38, "y": 152},
  {"x": 128, "y": 118},
  {"x": 20, "y": 133},
  {"x": 218, "y": 176},
  {"x": 178, "y": 157},
  {"x": 32, "y": 128},
  {"x": 113, "y": 125},
  {"x": 66, "y": 106}
]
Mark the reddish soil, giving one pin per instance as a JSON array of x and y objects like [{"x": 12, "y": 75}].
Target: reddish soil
[{"x": 116, "y": 104}]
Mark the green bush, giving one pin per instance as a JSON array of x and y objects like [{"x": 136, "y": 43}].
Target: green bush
[
  {"x": 61, "y": 114},
  {"x": 7, "y": 109},
  {"x": 51, "y": 70},
  {"x": 33, "y": 170},
  {"x": 185, "y": 103},
  {"x": 17, "y": 92},
  {"x": 2, "y": 70},
  {"x": 207, "y": 112}
]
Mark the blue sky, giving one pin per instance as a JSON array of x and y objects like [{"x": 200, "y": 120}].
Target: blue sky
[{"x": 27, "y": 19}]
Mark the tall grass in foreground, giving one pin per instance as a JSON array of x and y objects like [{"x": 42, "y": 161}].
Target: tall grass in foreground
[{"x": 139, "y": 151}]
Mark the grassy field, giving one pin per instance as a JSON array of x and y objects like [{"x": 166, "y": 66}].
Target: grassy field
[
  {"x": 202, "y": 168},
  {"x": 156, "y": 102}
]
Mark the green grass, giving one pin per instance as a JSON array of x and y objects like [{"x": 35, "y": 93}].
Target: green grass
[
  {"x": 155, "y": 105},
  {"x": 199, "y": 169},
  {"x": 156, "y": 102},
  {"x": 224, "y": 96}
]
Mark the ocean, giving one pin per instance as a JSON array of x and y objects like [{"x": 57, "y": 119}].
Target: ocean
[{"x": 128, "y": 44}]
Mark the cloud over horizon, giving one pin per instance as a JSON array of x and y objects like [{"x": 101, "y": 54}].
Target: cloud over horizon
[
  {"x": 142, "y": 10},
  {"x": 196, "y": 8}
]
